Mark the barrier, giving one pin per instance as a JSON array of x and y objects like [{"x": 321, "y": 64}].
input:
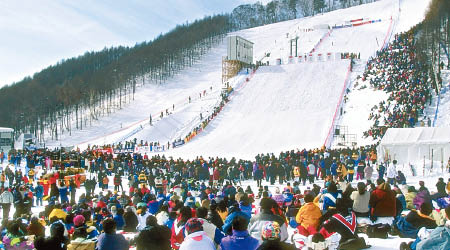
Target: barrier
[
  {"x": 319, "y": 57},
  {"x": 198, "y": 129},
  {"x": 356, "y": 20},
  {"x": 142, "y": 122},
  {"x": 291, "y": 60},
  {"x": 328, "y": 140},
  {"x": 321, "y": 40},
  {"x": 389, "y": 33}
]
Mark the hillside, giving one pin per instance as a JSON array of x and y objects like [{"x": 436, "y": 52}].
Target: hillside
[
  {"x": 74, "y": 92},
  {"x": 365, "y": 39}
]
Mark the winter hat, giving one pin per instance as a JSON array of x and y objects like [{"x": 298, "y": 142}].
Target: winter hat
[
  {"x": 78, "y": 220},
  {"x": 193, "y": 225},
  {"x": 270, "y": 231}
]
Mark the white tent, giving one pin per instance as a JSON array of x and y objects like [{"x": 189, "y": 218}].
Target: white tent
[{"x": 415, "y": 145}]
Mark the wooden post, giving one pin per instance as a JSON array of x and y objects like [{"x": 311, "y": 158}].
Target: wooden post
[
  {"x": 432, "y": 155},
  {"x": 424, "y": 165}
]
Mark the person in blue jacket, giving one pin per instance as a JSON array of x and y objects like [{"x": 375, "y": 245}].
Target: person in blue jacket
[
  {"x": 330, "y": 197},
  {"x": 39, "y": 193},
  {"x": 240, "y": 238},
  {"x": 233, "y": 212},
  {"x": 333, "y": 169}
]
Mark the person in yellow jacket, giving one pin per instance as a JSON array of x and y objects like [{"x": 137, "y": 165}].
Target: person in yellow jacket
[
  {"x": 448, "y": 186},
  {"x": 342, "y": 170},
  {"x": 3, "y": 179},
  {"x": 58, "y": 212},
  {"x": 308, "y": 216},
  {"x": 373, "y": 156},
  {"x": 105, "y": 182},
  {"x": 142, "y": 178},
  {"x": 31, "y": 174},
  {"x": 297, "y": 173}
]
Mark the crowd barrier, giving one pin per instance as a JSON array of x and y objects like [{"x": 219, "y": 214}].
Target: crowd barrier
[{"x": 329, "y": 138}]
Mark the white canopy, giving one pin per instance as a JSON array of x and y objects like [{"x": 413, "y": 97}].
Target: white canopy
[{"x": 412, "y": 145}]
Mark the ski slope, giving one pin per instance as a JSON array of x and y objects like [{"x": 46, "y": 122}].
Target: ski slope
[
  {"x": 278, "y": 110},
  {"x": 132, "y": 121}
]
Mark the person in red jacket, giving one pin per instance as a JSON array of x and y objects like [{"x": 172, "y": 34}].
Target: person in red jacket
[
  {"x": 382, "y": 201},
  {"x": 216, "y": 176},
  {"x": 178, "y": 228}
]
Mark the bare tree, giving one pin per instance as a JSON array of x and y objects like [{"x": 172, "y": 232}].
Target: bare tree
[{"x": 306, "y": 7}]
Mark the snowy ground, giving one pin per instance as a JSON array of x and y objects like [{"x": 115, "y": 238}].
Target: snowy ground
[{"x": 278, "y": 99}]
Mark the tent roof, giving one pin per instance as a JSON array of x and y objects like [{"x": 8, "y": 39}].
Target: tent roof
[{"x": 419, "y": 135}]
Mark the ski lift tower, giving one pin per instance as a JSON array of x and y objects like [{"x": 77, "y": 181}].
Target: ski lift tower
[
  {"x": 239, "y": 55},
  {"x": 294, "y": 46}
]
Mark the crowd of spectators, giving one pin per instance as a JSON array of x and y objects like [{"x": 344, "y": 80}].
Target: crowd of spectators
[{"x": 398, "y": 71}]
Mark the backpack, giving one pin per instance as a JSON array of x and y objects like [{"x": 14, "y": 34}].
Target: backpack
[
  {"x": 378, "y": 231},
  {"x": 353, "y": 244},
  {"x": 406, "y": 230}
]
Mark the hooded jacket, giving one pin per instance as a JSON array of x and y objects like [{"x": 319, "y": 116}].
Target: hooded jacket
[
  {"x": 309, "y": 215},
  {"x": 197, "y": 240},
  {"x": 239, "y": 240},
  {"x": 382, "y": 201},
  {"x": 259, "y": 220},
  {"x": 438, "y": 239}
]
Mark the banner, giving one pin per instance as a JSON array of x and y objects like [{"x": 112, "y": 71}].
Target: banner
[{"x": 178, "y": 143}]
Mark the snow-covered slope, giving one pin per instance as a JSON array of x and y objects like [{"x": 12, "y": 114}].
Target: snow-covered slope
[
  {"x": 279, "y": 109},
  {"x": 132, "y": 120},
  {"x": 360, "y": 101}
]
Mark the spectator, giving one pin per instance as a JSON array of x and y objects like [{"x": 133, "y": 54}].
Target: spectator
[
  {"x": 14, "y": 238},
  {"x": 361, "y": 200},
  {"x": 382, "y": 201},
  {"x": 439, "y": 238},
  {"x": 56, "y": 241},
  {"x": 196, "y": 238},
  {"x": 109, "y": 239},
  {"x": 210, "y": 229},
  {"x": 308, "y": 216},
  {"x": 240, "y": 238},
  {"x": 271, "y": 237},
  {"x": 410, "y": 196},
  {"x": 344, "y": 223},
  {"x": 153, "y": 236},
  {"x": 266, "y": 215},
  {"x": 178, "y": 227},
  {"x": 130, "y": 220}
]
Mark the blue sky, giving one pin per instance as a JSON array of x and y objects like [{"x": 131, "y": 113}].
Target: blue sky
[{"x": 36, "y": 34}]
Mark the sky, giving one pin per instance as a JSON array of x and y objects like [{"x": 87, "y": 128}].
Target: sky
[{"x": 37, "y": 34}]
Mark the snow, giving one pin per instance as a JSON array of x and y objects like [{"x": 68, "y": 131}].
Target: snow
[
  {"x": 443, "y": 116},
  {"x": 272, "y": 113},
  {"x": 273, "y": 39},
  {"x": 261, "y": 107}
]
